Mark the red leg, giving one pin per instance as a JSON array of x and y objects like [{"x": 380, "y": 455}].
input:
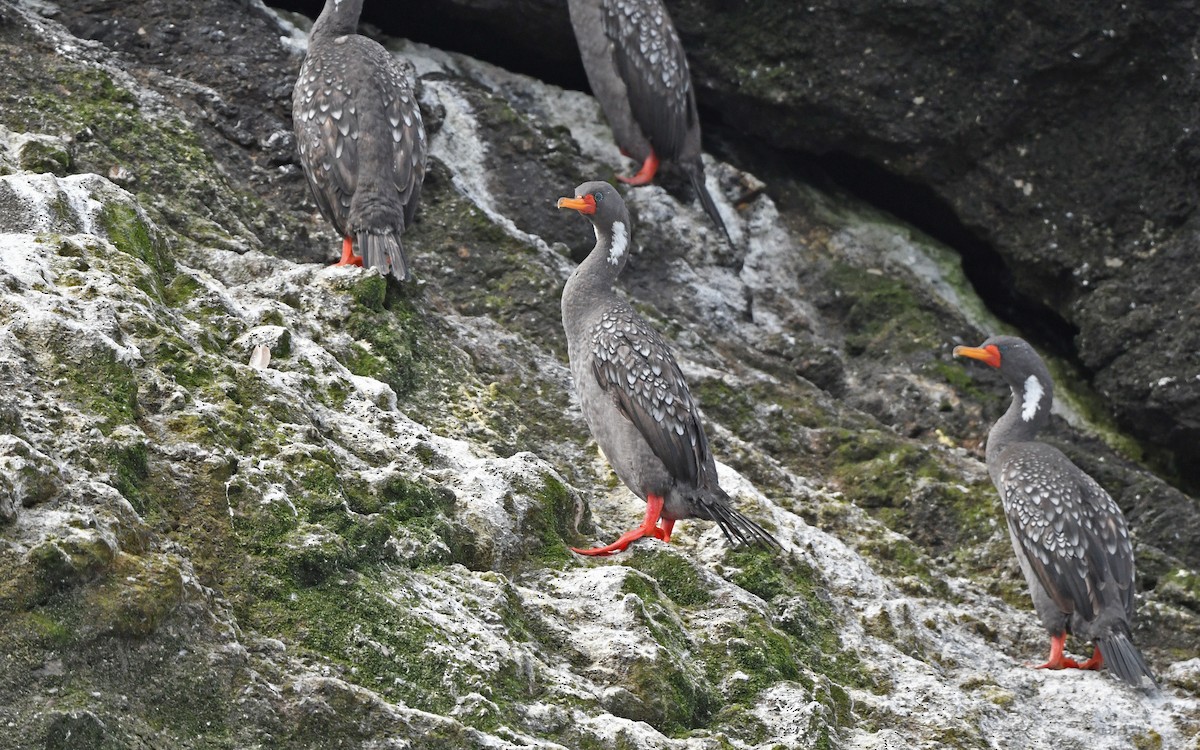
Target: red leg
[
  {"x": 348, "y": 256},
  {"x": 1057, "y": 660},
  {"x": 654, "y": 506},
  {"x": 663, "y": 531},
  {"x": 1096, "y": 662},
  {"x": 645, "y": 174}
]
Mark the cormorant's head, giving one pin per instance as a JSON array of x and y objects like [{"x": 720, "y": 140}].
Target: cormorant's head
[
  {"x": 603, "y": 206},
  {"x": 1020, "y": 366}
]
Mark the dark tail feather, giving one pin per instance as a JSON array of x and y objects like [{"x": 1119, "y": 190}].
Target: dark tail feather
[
  {"x": 738, "y": 529},
  {"x": 383, "y": 251},
  {"x": 1123, "y": 658},
  {"x": 695, "y": 172}
]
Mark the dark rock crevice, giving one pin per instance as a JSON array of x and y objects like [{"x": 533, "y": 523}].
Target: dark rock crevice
[{"x": 919, "y": 205}]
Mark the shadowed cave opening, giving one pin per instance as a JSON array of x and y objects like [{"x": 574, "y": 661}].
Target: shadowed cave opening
[{"x": 918, "y": 205}]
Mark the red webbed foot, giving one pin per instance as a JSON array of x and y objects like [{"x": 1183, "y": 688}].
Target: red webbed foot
[
  {"x": 645, "y": 174},
  {"x": 348, "y": 256},
  {"x": 1057, "y": 660},
  {"x": 649, "y": 527},
  {"x": 1096, "y": 662}
]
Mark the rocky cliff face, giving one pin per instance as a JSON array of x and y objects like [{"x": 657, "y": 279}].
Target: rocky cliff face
[{"x": 364, "y": 543}]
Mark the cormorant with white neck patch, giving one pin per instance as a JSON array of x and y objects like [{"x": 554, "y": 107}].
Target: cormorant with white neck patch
[
  {"x": 1068, "y": 533},
  {"x": 632, "y": 392}
]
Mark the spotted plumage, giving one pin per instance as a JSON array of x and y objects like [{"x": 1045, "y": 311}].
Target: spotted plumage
[
  {"x": 1068, "y": 533},
  {"x": 633, "y": 394},
  {"x": 631, "y": 362},
  {"x": 638, "y": 72},
  {"x": 360, "y": 136},
  {"x": 650, "y": 59}
]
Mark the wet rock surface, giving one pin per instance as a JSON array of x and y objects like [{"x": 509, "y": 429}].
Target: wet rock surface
[{"x": 364, "y": 544}]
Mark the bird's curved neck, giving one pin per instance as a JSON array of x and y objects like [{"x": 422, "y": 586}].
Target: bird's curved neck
[
  {"x": 597, "y": 273},
  {"x": 337, "y": 18},
  {"x": 1028, "y": 413}
]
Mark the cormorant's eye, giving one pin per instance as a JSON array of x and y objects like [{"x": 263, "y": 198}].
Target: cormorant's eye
[{"x": 598, "y": 196}]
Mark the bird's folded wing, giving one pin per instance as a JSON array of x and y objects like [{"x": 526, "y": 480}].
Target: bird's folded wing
[
  {"x": 650, "y": 60},
  {"x": 632, "y": 363},
  {"x": 327, "y": 134},
  {"x": 1073, "y": 540}
]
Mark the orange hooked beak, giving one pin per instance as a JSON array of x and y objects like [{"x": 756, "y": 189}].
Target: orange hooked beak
[
  {"x": 584, "y": 205},
  {"x": 989, "y": 355}
]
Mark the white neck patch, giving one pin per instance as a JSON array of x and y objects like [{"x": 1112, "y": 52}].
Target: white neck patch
[
  {"x": 1032, "y": 398},
  {"x": 620, "y": 242}
]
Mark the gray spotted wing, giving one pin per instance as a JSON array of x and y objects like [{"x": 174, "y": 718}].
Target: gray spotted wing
[
  {"x": 1069, "y": 529},
  {"x": 633, "y": 364},
  {"x": 325, "y": 117},
  {"x": 650, "y": 60},
  {"x": 407, "y": 131},
  {"x": 1112, "y": 542}
]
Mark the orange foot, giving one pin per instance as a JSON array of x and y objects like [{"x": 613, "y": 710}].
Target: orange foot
[
  {"x": 645, "y": 174},
  {"x": 1057, "y": 660},
  {"x": 1096, "y": 662},
  {"x": 650, "y": 527},
  {"x": 348, "y": 256}
]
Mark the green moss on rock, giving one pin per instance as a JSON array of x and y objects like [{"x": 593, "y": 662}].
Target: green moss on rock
[
  {"x": 406, "y": 499},
  {"x": 137, "y": 596},
  {"x": 49, "y": 630},
  {"x": 773, "y": 414},
  {"x": 1181, "y": 587},
  {"x": 366, "y": 628},
  {"x": 877, "y": 469},
  {"x": 130, "y": 234},
  {"x": 1149, "y": 740},
  {"x": 61, "y": 564},
  {"x": 391, "y": 338},
  {"x": 551, "y": 521},
  {"x": 779, "y": 418},
  {"x": 182, "y": 289},
  {"x": 370, "y": 292},
  {"x": 758, "y": 650},
  {"x": 45, "y": 155},
  {"x": 884, "y": 313},
  {"x": 527, "y": 416},
  {"x": 129, "y": 469},
  {"x": 955, "y": 375},
  {"x": 104, "y": 386},
  {"x": 666, "y": 697},
  {"x": 805, "y": 612},
  {"x": 675, "y": 575}
]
